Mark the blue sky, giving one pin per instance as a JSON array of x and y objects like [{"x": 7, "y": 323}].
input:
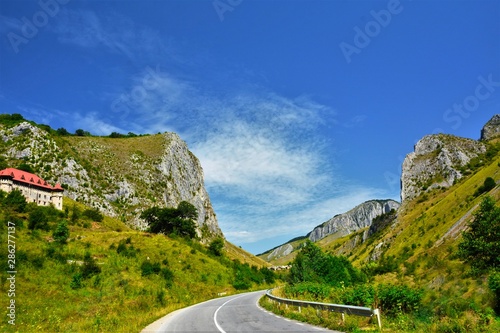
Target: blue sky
[{"x": 298, "y": 110}]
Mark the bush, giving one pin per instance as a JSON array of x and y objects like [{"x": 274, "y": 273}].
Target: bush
[
  {"x": 76, "y": 281},
  {"x": 396, "y": 299},
  {"x": 216, "y": 247},
  {"x": 89, "y": 267},
  {"x": 308, "y": 290},
  {"x": 127, "y": 251},
  {"x": 480, "y": 245},
  {"x": 16, "y": 201},
  {"x": 176, "y": 221},
  {"x": 38, "y": 219},
  {"x": 360, "y": 295},
  {"x": 494, "y": 285},
  {"x": 148, "y": 268},
  {"x": 168, "y": 275},
  {"x": 93, "y": 214},
  {"x": 61, "y": 234},
  {"x": 488, "y": 185},
  {"x": 312, "y": 265}
]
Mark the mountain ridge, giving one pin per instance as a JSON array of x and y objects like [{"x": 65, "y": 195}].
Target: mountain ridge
[
  {"x": 119, "y": 176},
  {"x": 438, "y": 162}
]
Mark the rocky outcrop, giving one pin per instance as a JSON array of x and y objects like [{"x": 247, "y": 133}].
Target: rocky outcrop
[
  {"x": 436, "y": 162},
  {"x": 120, "y": 178},
  {"x": 278, "y": 252},
  {"x": 357, "y": 218},
  {"x": 492, "y": 129}
]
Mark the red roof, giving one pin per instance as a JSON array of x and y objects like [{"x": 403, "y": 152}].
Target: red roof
[{"x": 28, "y": 178}]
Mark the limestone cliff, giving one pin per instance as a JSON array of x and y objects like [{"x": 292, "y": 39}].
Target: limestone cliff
[
  {"x": 491, "y": 129},
  {"x": 119, "y": 176},
  {"x": 357, "y": 218},
  {"x": 436, "y": 162}
]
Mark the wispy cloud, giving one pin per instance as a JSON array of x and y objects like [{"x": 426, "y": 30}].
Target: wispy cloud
[
  {"x": 263, "y": 154},
  {"x": 355, "y": 121},
  {"x": 295, "y": 221},
  {"x": 114, "y": 32}
]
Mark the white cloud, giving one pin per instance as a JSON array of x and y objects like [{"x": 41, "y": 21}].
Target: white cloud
[
  {"x": 93, "y": 123},
  {"x": 296, "y": 221},
  {"x": 263, "y": 154},
  {"x": 114, "y": 32}
]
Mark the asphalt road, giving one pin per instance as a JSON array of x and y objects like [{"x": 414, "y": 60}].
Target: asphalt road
[{"x": 237, "y": 313}]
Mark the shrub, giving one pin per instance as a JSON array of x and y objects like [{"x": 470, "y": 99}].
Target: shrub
[
  {"x": 216, "y": 247},
  {"x": 176, "y": 221},
  {"x": 16, "y": 201},
  {"x": 148, "y": 268},
  {"x": 308, "y": 290},
  {"x": 89, "y": 267},
  {"x": 494, "y": 285},
  {"x": 93, "y": 214},
  {"x": 76, "y": 281},
  {"x": 360, "y": 295},
  {"x": 488, "y": 185},
  {"x": 395, "y": 299},
  {"x": 61, "y": 234},
  {"x": 38, "y": 219},
  {"x": 480, "y": 244}
]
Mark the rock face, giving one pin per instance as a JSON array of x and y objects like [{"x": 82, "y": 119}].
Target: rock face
[
  {"x": 436, "y": 162},
  {"x": 357, "y": 218},
  {"x": 120, "y": 177},
  {"x": 492, "y": 129},
  {"x": 280, "y": 251},
  {"x": 344, "y": 224}
]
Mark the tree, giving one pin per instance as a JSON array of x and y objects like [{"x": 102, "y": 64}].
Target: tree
[
  {"x": 480, "y": 245},
  {"x": 61, "y": 234},
  {"x": 25, "y": 167},
  {"x": 178, "y": 220},
  {"x": 38, "y": 219},
  {"x": 80, "y": 132},
  {"x": 93, "y": 214},
  {"x": 89, "y": 266},
  {"x": 187, "y": 211},
  {"x": 488, "y": 185},
  {"x": 216, "y": 246},
  {"x": 62, "y": 131},
  {"x": 16, "y": 201},
  {"x": 75, "y": 214},
  {"x": 313, "y": 265}
]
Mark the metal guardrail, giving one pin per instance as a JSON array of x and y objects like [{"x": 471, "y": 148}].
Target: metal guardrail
[{"x": 344, "y": 309}]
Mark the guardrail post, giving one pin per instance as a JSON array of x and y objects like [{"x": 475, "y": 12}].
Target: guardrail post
[
  {"x": 376, "y": 312},
  {"x": 343, "y": 317}
]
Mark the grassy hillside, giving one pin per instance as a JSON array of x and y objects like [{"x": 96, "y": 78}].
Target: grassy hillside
[
  {"x": 142, "y": 276},
  {"x": 419, "y": 251},
  {"x": 121, "y": 175}
]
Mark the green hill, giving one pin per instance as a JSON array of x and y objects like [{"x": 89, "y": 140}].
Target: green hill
[
  {"x": 418, "y": 248},
  {"x": 142, "y": 276},
  {"x": 110, "y": 275}
]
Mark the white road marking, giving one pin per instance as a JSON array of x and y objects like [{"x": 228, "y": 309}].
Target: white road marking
[{"x": 216, "y": 311}]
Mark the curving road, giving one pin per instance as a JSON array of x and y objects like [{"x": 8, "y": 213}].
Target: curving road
[{"x": 237, "y": 313}]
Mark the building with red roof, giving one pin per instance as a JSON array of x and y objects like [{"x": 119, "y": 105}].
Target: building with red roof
[{"x": 32, "y": 187}]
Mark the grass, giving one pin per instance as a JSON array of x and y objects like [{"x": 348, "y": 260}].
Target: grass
[
  {"x": 423, "y": 243},
  {"x": 120, "y": 298}
]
